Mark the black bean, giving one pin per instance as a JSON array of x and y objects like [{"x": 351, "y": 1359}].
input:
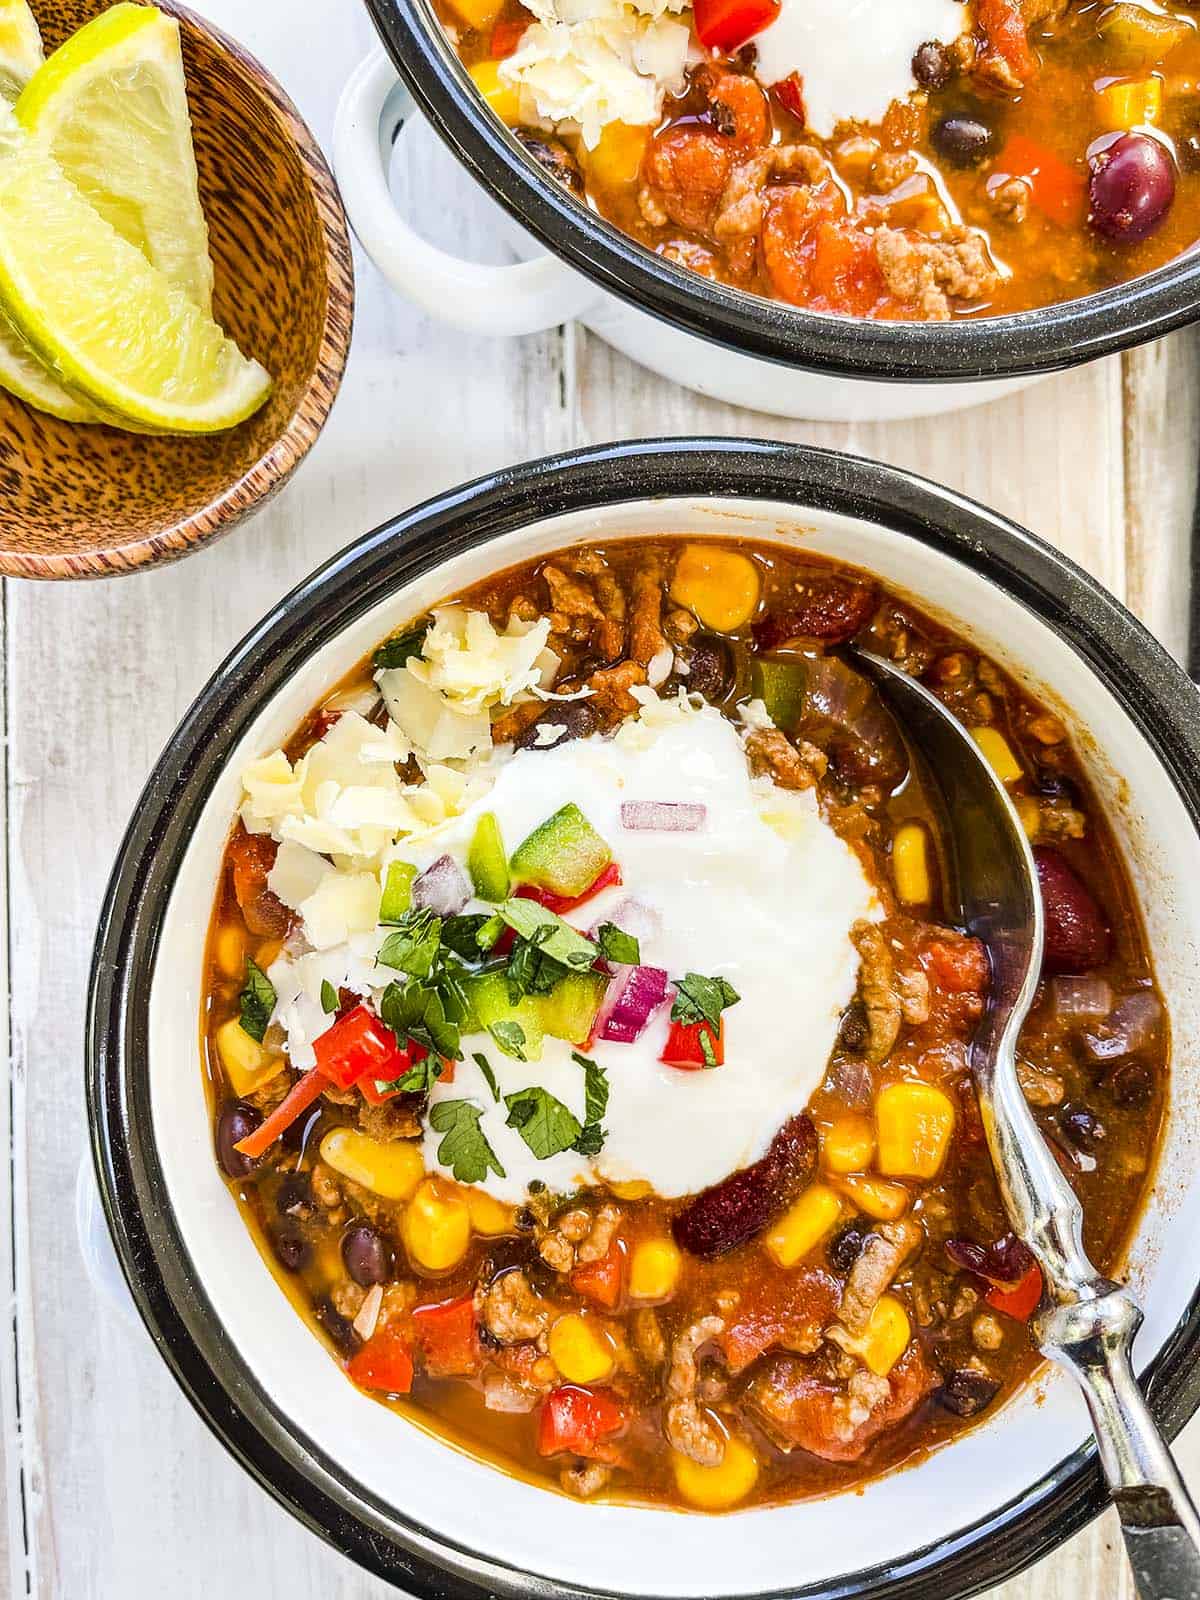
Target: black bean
[
  {"x": 1056, "y": 786},
  {"x": 932, "y": 66},
  {"x": 553, "y": 157},
  {"x": 963, "y": 141},
  {"x": 966, "y": 1392},
  {"x": 1132, "y": 1085},
  {"x": 367, "y": 1255},
  {"x": 236, "y": 1122},
  {"x": 1081, "y": 1126},
  {"x": 296, "y": 1136},
  {"x": 853, "y": 1031},
  {"x": 709, "y": 664},
  {"x": 576, "y": 718},
  {"x": 292, "y": 1250},
  {"x": 337, "y": 1327},
  {"x": 294, "y": 1194},
  {"x": 847, "y": 1244}
]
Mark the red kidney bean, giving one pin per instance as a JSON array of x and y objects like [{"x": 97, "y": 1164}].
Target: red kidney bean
[
  {"x": 1077, "y": 936},
  {"x": 740, "y": 1206},
  {"x": 1132, "y": 187},
  {"x": 829, "y": 609}
]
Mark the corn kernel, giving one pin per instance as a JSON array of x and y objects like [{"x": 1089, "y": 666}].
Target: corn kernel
[
  {"x": 247, "y": 1065},
  {"x": 634, "y": 1189},
  {"x": 489, "y": 1216},
  {"x": 616, "y": 161},
  {"x": 910, "y": 865},
  {"x": 503, "y": 97},
  {"x": 478, "y": 14},
  {"x": 268, "y": 954},
  {"x": 848, "y": 1144},
  {"x": 437, "y": 1226},
  {"x": 1030, "y": 814},
  {"x": 579, "y": 1351},
  {"x": 884, "y": 1340},
  {"x": 803, "y": 1225},
  {"x": 654, "y": 1269},
  {"x": 718, "y": 585},
  {"x": 913, "y": 1122},
  {"x": 1130, "y": 105},
  {"x": 230, "y": 952},
  {"x": 717, "y": 1488},
  {"x": 392, "y": 1170},
  {"x": 997, "y": 752},
  {"x": 883, "y": 1201}
]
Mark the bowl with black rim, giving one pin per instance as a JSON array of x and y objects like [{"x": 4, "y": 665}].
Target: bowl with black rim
[{"x": 394, "y": 1497}]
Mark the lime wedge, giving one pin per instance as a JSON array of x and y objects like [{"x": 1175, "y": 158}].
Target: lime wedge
[
  {"x": 110, "y": 325},
  {"x": 110, "y": 105},
  {"x": 20, "y": 47}
]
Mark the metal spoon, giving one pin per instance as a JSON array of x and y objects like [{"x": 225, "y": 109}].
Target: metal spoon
[{"x": 1087, "y": 1323}]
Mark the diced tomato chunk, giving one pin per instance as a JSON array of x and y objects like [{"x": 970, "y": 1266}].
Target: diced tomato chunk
[
  {"x": 1057, "y": 189},
  {"x": 508, "y": 33},
  {"x": 359, "y": 1043},
  {"x": 384, "y": 1363},
  {"x": 601, "y": 1280},
  {"x": 846, "y": 276},
  {"x": 957, "y": 965},
  {"x": 251, "y": 857},
  {"x": 1002, "y": 22},
  {"x": 684, "y": 1050},
  {"x": 579, "y": 1421},
  {"x": 789, "y": 92},
  {"x": 1022, "y": 1299},
  {"x": 726, "y": 24},
  {"x": 447, "y": 1338}
]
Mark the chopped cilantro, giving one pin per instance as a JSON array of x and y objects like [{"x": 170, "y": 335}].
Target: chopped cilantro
[
  {"x": 329, "y": 998},
  {"x": 461, "y": 934},
  {"x": 544, "y": 1123},
  {"x": 618, "y": 946},
  {"x": 433, "y": 1017},
  {"x": 395, "y": 652},
  {"x": 256, "y": 1002},
  {"x": 531, "y": 971},
  {"x": 464, "y": 1149},
  {"x": 591, "y": 1140},
  {"x": 510, "y": 1036},
  {"x": 699, "y": 999},
  {"x": 489, "y": 1075},
  {"x": 492, "y": 928},
  {"x": 553, "y": 937},
  {"x": 397, "y": 891},
  {"x": 592, "y": 1135},
  {"x": 704, "y": 1035},
  {"x": 419, "y": 1079},
  {"x": 415, "y": 945}
]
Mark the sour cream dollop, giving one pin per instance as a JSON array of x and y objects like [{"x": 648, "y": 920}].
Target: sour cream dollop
[
  {"x": 764, "y": 895},
  {"x": 854, "y": 56}
]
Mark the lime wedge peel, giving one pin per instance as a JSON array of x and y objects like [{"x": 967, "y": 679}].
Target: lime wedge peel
[
  {"x": 22, "y": 374},
  {"x": 110, "y": 105},
  {"x": 93, "y": 308}
]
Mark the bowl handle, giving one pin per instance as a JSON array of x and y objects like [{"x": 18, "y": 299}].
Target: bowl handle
[{"x": 527, "y": 297}]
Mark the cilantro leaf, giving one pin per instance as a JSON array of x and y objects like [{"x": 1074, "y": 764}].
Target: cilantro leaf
[
  {"x": 461, "y": 935},
  {"x": 395, "y": 652},
  {"x": 531, "y": 971},
  {"x": 415, "y": 945},
  {"x": 595, "y": 1092},
  {"x": 510, "y": 1036},
  {"x": 618, "y": 946},
  {"x": 489, "y": 1076},
  {"x": 256, "y": 1002},
  {"x": 464, "y": 1149},
  {"x": 544, "y": 1123},
  {"x": 330, "y": 1003},
  {"x": 530, "y": 920},
  {"x": 414, "y": 1011},
  {"x": 699, "y": 999},
  {"x": 419, "y": 1079},
  {"x": 591, "y": 1140}
]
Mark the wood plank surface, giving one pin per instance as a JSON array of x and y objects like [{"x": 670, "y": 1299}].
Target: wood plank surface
[{"x": 112, "y": 1487}]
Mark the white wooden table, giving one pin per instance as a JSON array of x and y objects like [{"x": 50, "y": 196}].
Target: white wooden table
[{"x": 112, "y": 1487}]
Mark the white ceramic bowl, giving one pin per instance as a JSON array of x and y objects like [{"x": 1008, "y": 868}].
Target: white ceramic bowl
[{"x": 396, "y": 1498}]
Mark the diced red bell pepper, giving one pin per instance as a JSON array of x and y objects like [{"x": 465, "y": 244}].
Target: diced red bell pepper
[
  {"x": 359, "y": 1043},
  {"x": 789, "y": 92},
  {"x": 447, "y": 1338},
  {"x": 302, "y": 1094},
  {"x": 384, "y": 1363},
  {"x": 726, "y": 24},
  {"x": 407, "y": 1058},
  {"x": 601, "y": 1280},
  {"x": 684, "y": 1050},
  {"x": 560, "y": 904},
  {"x": 1022, "y": 1299},
  {"x": 508, "y": 33},
  {"x": 579, "y": 1421},
  {"x": 1004, "y": 25},
  {"x": 1057, "y": 189}
]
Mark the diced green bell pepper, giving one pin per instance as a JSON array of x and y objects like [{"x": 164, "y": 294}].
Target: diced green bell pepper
[
  {"x": 780, "y": 685},
  {"x": 397, "y": 891},
  {"x": 569, "y": 1010},
  {"x": 486, "y": 860},
  {"x": 564, "y": 855},
  {"x": 489, "y": 1002}
]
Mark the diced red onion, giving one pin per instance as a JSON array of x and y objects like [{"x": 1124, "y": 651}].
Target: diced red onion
[
  {"x": 1129, "y": 1028},
  {"x": 632, "y": 917},
  {"x": 662, "y": 816},
  {"x": 442, "y": 888},
  {"x": 1082, "y": 997},
  {"x": 632, "y": 997}
]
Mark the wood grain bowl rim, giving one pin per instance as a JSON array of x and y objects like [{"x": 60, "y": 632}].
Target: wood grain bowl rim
[{"x": 262, "y": 481}]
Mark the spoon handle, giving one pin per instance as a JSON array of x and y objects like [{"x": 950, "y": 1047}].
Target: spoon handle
[{"x": 1092, "y": 1338}]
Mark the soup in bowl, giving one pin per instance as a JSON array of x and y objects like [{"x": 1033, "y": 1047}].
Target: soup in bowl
[{"x": 584, "y": 1034}]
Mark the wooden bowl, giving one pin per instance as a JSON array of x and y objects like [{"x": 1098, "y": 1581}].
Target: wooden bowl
[{"x": 90, "y": 502}]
